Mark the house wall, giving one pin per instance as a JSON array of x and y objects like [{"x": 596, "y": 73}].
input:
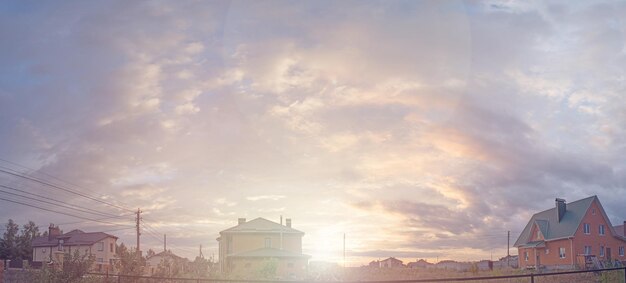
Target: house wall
[
  {"x": 576, "y": 246},
  {"x": 594, "y": 239},
  {"x": 252, "y": 241},
  {"x": 103, "y": 257},
  {"x": 42, "y": 254},
  {"x": 551, "y": 257},
  {"x": 232, "y": 243},
  {"x": 287, "y": 268}
]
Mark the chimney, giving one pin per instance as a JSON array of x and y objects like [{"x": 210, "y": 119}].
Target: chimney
[
  {"x": 560, "y": 208},
  {"x": 53, "y": 232},
  {"x": 241, "y": 221},
  {"x": 288, "y": 222}
]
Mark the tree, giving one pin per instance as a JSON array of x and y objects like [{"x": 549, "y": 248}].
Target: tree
[
  {"x": 150, "y": 253},
  {"x": 130, "y": 262},
  {"x": 268, "y": 269},
  {"x": 25, "y": 240},
  {"x": 200, "y": 268},
  {"x": 9, "y": 241},
  {"x": 75, "y": 267}
]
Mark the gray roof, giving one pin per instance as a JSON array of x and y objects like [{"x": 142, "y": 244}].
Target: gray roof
[
  {"x": 552, "y": 229},
  {"x": 166, "y": 254},
  {"x": 619, "y": 230},
  {"x": 268, "y": 252},
  {"x": 72, "y": 238},
  {"x": 261, "y": 225},
  {"x": 549, "y": 225}
]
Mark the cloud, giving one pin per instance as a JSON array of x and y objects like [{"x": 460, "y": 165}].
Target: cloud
[
  {"x": 416, "y": 124},
  {"x": 265, "y": 197}
]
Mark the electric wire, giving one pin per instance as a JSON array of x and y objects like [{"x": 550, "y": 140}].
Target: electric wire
[
  {"x": 60, "y": 188},
  {"x": 61, "y": 203},
  {"x": 38, "y": 171},
  {"x": 59, "y": 212}
]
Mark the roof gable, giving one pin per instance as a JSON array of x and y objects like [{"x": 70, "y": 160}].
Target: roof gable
[
  {"x": 549, "y": 225},
  {"x": 261, "y": 225}
]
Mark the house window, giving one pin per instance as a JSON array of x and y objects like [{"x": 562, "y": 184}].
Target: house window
[
  {"x": 621, "y": 251},
  {"x": 111, "y": 247},
  {"x": 100, "y": 246},
  {"x": 100, "y": 260},
  {"x": 587, "y": 250},
  {"x": 562, "y": 252},
  {"x": 593, "y": 211},
  {"x": 601, "y": 250},
  {"x": 526, "y": 256},
  {"x": 587, "y": 228},
  {"x": 268, "y": 242},
  {"x": 547, "y": 251},
  {"x": 601, "y": 229}
]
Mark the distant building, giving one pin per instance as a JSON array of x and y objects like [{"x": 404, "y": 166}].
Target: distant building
[
  {"x": 391, "y": 263},
  {"x": 559, "y": 237},
  {"x": 374, "y": 264},
  {"x": 153, "y": 261},
  {"x": 511, "y": 261},
  {"x": 419, "y": 264},
  {"x": 246, "y": 248},
  {"x": 453, "y": 265},
  {"x": 97, "y": 244}
]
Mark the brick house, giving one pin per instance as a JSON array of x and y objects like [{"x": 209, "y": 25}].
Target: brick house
[
  {"x": 246, "y": 248},
  {"x": 559, "y": 237},
  {"x": 97, "y": 244}
]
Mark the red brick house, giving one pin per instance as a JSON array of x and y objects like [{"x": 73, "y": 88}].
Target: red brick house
[{"x": 559, "y": 237}]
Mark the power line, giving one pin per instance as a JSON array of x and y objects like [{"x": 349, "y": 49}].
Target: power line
[
  {"x": 60, "y": 188},
  {"x": 63, "y": 204},
  {"x": 59, "y": 212},
  {"x": 79, "y": 222},
  {"x": 51, "y": 176},
  {"x": 120, "y": 229},
  {"x": 155, "y": 234}
]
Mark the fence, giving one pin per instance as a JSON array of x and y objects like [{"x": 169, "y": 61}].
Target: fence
[{"x": 531, "y": 277}]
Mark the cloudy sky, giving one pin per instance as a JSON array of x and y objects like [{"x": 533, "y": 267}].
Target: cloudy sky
[{"x": 420, "y": 129}]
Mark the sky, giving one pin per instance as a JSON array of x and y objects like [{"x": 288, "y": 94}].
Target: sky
[{"x": 419, "y": 129}]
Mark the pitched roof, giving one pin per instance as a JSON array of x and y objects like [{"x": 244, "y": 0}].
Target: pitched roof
[
  {"x": 391, "y": 259},
  {"x": 166, "y": 254},
  {"x": 619, "y": 230},
  {"x": 268, "y": 252},
  {"x": 72, "y": 238},
  {"x": 551, "y": 228},
  {"x": 261, "y": 225}
]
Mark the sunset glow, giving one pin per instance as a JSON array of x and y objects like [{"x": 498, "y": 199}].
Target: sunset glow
[{"x": 419, "y": 129}]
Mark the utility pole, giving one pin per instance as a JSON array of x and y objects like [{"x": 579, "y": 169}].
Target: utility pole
[
  {"x": 281, "y": 232},
  {"x": 138, "y": 221},
  {"x": 508, "y": 240}
]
